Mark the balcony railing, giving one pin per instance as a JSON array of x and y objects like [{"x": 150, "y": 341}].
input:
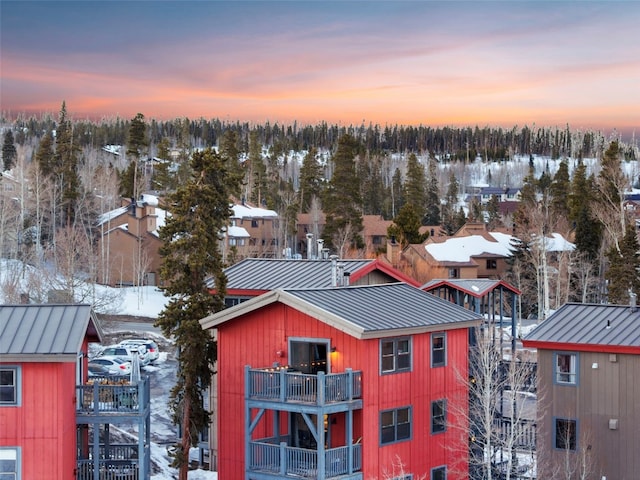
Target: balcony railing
[
  {"x": 284, "y": 461},
  {"x": 281, "y": 385},
  {"x": 99, "y": 398},
  {"x": 108, "y": 470}
]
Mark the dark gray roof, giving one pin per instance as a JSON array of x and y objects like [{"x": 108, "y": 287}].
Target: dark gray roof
[
  {"x": 590, "y": 324},
  {"x": 476, "y": 287},
  {"x": 386, "y": 307},
  {"x": 45, "y": 330},
  {"x": 269, "y": 274},
  {"x": 362, "y": 311}
]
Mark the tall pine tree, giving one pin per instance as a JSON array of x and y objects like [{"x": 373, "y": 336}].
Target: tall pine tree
[
  {"x": 342, "y": 200},
  {"x": 198, "y": 213},
  {"x": 9, "y": 153},
  {"x": 624, "y": 268}
]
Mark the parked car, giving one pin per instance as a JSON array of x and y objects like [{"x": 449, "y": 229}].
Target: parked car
[
  {"x": 150, "y": 345},
  {"x": 98, "y": 370},
  {"x": 126, "y": 352},
  {"x": 115, "y": 366}
]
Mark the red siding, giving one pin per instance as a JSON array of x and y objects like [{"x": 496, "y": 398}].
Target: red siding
[
  {"x": 45, "y": 423},
  {"x": 254, "y": 340}
]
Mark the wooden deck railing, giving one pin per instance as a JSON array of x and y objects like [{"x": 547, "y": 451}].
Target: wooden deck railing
[
  {"x": 99, "y": 398},
  {"x": 286, "y": 386},
  {"x": 284, "y": 461},
  {"x": 108, "y": 470}
]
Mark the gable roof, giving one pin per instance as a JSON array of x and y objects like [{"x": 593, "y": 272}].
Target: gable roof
[
  {"x": 589, "y": 327},
  {"x": 49, "y": 333},
  {"x": 372, "y": 311},
  {"x": 265, "y": 274},
  {"x": 476, "y": 287}
]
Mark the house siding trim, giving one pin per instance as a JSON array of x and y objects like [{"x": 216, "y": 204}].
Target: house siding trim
[
  {"x": 578, "y": 347},
  {"x": 17, "y": 384},
  {"x": 18, "y": 452}
]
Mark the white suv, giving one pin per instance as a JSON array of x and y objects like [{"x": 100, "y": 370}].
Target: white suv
[
  {"x": 126, "y": 352},
  {"x": 150, "y": 345}
]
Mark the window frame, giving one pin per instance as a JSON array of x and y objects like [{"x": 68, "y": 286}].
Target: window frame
[
  {"x": 16, "y": 386},
  {"x": 395, "y": 425},
  {"x": 492, "y": 264},
  {"x": 573, "y": 439},
  {"x": 432, "y": 349},
  {"x": 572, "y": 375},
  {"x": 18, "y": 460},
  {"x": 442, "y": 404},
  {"x": 436, "y": 470},
  {"x": 454, "y": 272},
  {"x": 396, "y": 355}
]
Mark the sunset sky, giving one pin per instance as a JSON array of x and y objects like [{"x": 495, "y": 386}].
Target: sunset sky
[{"x": 502, "y": 63}]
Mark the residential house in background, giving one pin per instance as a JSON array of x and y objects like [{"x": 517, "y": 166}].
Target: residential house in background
[
  {"x": 589, "y": 396},
  {"x": 43, "y": 356},
  {"x": 253, "y": 232},
  {"x": 129, "y": 244},
  {"x": 342, "y": 383}
]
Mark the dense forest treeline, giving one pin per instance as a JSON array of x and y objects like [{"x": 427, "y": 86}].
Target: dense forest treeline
[{"x": 452, "y": 143}]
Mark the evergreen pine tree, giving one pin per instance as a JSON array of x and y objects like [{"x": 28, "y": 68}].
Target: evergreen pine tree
[
  {"x": 450, "y": 216},
  {"x": 560, "y": 190},
  {"x": 9, "y": 152},
  {"x": 414, "y": 186},
  {"x": 256, "y": 176},
  {"x": 406, "y": 226},
  {"x": 65, "y": 168},
  {"x": 624, "y": 268},
  {"x": 137, "y": 144},
  {"x": 310, "y": 180},
  {"x": 342, "y": 201},
  {"x": 199, "y": 212},
  {"x": 45, "y": 153},
  {"x": 588, "y": 231},
  {"x": 432, "y": 216}
]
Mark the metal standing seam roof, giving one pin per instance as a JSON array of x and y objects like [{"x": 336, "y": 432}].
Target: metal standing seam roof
[
  {"x": 270, "y": 274},
  {"x": 47, "y": 330},
  {"x": 590, "y": 324},
  {"x": 362, "y": 311},
  {"x": 476, "y": 287}
]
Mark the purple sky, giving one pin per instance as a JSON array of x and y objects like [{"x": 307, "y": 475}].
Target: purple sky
[{"x": 417, "y": 62}]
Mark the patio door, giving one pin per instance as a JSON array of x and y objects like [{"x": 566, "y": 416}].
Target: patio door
[
  {"x": 309, "y": 356},
  {"x": 302, "y": 436}
]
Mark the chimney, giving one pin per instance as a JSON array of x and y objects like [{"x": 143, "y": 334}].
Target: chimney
[
  {"x": 340, "y": 274},
  {"x": 632, "y": 301},
  {"x": 320, "y": 249},
  {"x": 309, "y": 246},
  {"x": 346, "y": 279},
  {"x": 334, "y": 270},
  {"x": 393, "y": 252}
]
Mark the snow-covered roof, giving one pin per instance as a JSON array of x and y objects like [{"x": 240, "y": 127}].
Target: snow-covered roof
[
  {"x": 461, "y": 249},
  {"x": 557, "y": 243},
  {"x": 245, "y": 211},
  {"x": 110, "y": 215},
  {"x": 237, "y": 232}
]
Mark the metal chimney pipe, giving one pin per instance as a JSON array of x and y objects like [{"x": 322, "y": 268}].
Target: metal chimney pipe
[
  {"x": 309, "y": 246},
  {"x": 334, "y": 270}
]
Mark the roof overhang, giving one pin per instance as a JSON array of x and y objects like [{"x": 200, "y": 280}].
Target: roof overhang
[
  {"x": 40, "y": 358},
  {"x": 582, "y": 347}
]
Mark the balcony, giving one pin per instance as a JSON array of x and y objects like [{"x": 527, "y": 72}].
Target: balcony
[
  {"x": 104, "y": 397},
  {"x": 277, "y": 460},
  {"x": 279, "y": 384}
]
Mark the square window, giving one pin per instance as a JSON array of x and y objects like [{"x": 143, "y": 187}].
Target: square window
[
  {"x": 492, "y": 264},
  {"x": 395, "y": 355},
  {"x": 9, "y": 463},
  {"x": 566, "y": 368},
  {"x": 9, "y": 386},
  {"x": 565, "y": 433},
  {"x": 395, "y": 425},
  {"x": 453, "y": 273},
  {"x": 438, "y": 349},
  {"x": 438, "y": 416},
  {"x": 439, "y": 473}
]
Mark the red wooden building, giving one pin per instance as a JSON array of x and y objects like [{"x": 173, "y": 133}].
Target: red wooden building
[
  {"x": 42, "y": 358},
  {"x": 342, "y": 383}
]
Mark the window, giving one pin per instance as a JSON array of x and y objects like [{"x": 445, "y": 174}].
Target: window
[
  {"x": 395, "y": 355},
  {"x": 565, "y": 434},
  {"x": 566, "y": 367},
  {"x": 9, "y": 386},
  {"x": 438, "y": 349},
  {"x": 254, "y": 223},
  {"x": 492, "y": 264},
  {"x": 438, "y": 416},
  {"x": 453, "y": 273},
  {"x": 9, "y": 463},
  {"x": 395, "y": 425},
  {"x": 439, "y": 473}
]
